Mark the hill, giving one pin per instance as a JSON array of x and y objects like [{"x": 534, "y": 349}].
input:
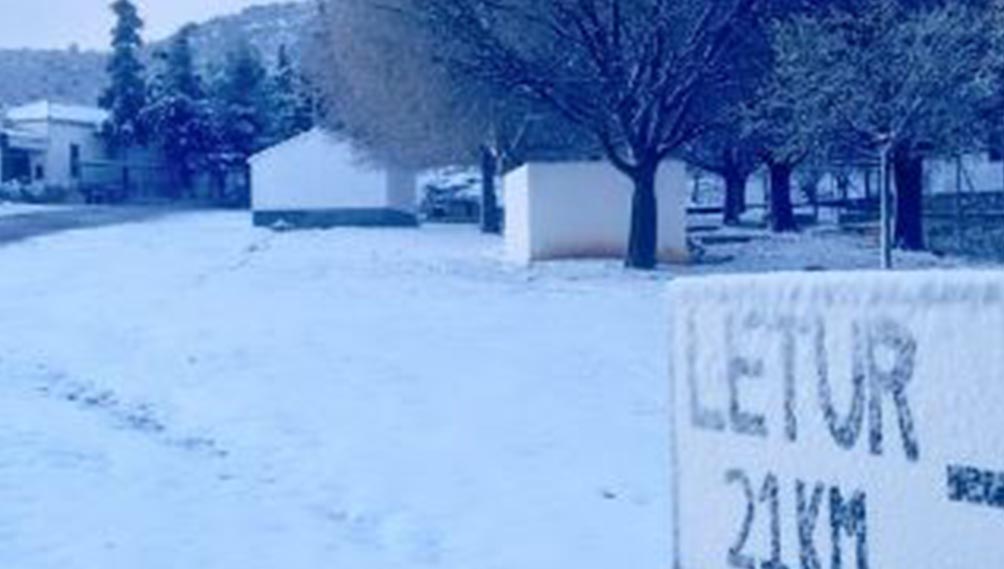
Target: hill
[
  {"x": 66, "y": 76},
  {"x": 265, "y": 27},
  {"x": 76, "y": 76}
]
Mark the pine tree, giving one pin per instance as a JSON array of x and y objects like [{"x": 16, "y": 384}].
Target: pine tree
[
  {"x": 291, "y": 101},
  {"x": 239, "y": 116},
  {"x": 177, "y": 112},
  {"x": 125, "y": 96},
  {"x": 240, "y": 97}
]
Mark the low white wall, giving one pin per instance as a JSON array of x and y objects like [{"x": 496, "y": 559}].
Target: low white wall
[
  {"x": 838, "y": 416},
  {"x": 979, "y": 174},
  {"x": 583, "y": 209},
  {"x": 315, "y": 172}
]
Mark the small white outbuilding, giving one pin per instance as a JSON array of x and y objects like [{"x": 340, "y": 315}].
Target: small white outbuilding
[
  {"x": 317, "y": 180},
  {"x": 558, "y": 210}
]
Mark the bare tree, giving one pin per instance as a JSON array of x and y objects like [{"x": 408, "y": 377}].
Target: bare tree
[
  {"x": 727, "y": 154},
  {"x": 638, "y": 75},
  {"x": 390, "y": 93},
  {"x": 782, "y": 141}
]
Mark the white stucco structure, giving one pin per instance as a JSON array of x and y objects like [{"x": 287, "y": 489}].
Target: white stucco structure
[
  {"x": 849, "y": 416},
  {"x": 48, "y": 145},
  {"x": 64, "y": 127},
  {"x": 978, "y": 173},
  {"x": 560, "y": 210},
  {"x": 316, "y": 179}
]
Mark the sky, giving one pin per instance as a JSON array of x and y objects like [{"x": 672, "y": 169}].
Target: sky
[{"x": 60, "y": 23}]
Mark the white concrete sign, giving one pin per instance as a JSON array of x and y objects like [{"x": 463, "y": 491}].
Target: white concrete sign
[{"x": 839, "y": 421}]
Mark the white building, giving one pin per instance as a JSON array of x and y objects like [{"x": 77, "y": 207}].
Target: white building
[
  {"x": 972, "y": 173},
  {"x": 557, "y": 210},
  {"x": 316, "y": 180},
  {"x": 53, "y": 147}
]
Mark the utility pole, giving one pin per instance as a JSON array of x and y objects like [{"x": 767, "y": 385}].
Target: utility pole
[{"x": 885, "y": 239}]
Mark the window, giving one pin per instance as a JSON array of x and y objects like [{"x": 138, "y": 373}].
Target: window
[{"x": 75, "y": 161}]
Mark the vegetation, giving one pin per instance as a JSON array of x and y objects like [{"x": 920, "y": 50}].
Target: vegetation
[
  {"x": 125, "y": 96},
  {"x": 795, "y": 87},
  {"x": 207, "y": 120},
  {"x": 178, "y": 114},
  {"x": 389, "y": 92},
  {"x": 730, "y": 85},
  {"x": 892, "y": 81}
]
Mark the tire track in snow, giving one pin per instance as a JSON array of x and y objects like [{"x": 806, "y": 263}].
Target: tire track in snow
[{"x": 139, "y": 417}]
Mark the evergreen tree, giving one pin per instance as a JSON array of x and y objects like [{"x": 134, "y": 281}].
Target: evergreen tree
[
  {"x": 240, "y": 118},
  {"x": 177, "y": 113},
  {"x": 240, "y": 97},
  {"x": 291, "y": 100},
  {"x": 125, "y": 96}
]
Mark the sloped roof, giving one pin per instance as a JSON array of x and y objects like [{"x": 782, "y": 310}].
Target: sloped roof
[
  {"x": 336, "y": 148},
  {"x": 56, "y": 112},
  {"x": 310, "y": 135}
]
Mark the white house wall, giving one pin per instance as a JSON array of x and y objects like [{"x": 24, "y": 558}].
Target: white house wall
[
  {"x": 57, "y": 162},
  {"x": 980, "y": 174},
  {"x": 315, "y": 172},
  {"x": 317, "y": 180},
  {"x": 583, "y": 209},
  {"x": 519, "y": 225}
]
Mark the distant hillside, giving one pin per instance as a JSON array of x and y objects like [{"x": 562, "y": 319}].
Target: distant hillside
[
  {"x": 265, "y": 27},
  {"x": 74, "y": 76},
  {"x": 67, "y": 76}
]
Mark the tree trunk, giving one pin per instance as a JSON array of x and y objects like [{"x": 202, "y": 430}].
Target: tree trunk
[
  {"x": 735, "y": 197},
  {"x": 491, "y": 222},
  {"x": 782, "y": 215},
  {"x": 909, "y": 173},
  {"x": 644, "y": 238}
]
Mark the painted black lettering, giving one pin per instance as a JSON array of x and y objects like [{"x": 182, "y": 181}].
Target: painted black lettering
[
  {"x": 770, "y": 493},
  {"x": 739, "y": 368},
  {"x": 847, "y": 430},
  {"x": 890, "y": 335},
  {"x": 976, "y": 486},
  {"x": 736, "y": 558},
  {"x": 849, "y": 518},
  {"x": 808, "y": 514},
  {"x": 701, "y": 417},
  {"x": 788, "y": 328}
]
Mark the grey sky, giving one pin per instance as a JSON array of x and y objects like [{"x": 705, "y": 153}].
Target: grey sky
[{"x": 59, "y": 23}]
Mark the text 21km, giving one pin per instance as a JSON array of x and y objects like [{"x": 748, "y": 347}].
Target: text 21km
[{"x": 847, "y": 523}]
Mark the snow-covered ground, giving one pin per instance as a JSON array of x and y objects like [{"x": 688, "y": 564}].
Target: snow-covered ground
[{"x": 193, "y": 392}]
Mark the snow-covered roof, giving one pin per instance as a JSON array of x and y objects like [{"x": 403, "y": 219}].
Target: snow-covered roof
[
  {"x": 316, "y": 133},
  {"x": 56, "y": 112},
  {"x": 340, "y": 148}
]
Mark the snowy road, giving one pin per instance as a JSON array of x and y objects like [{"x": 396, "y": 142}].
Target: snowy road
[
  {"x": 192, "y": 392},
  {"x": 21, "y": 221}
]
